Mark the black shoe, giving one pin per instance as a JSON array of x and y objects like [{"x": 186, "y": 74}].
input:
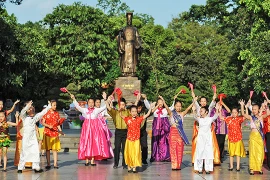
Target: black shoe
[
  {"x": 38, "y": 171},
  {"x": 130, "y": 171},
  {"x": 135, "y": 171},
  {"x": 176, "y": 169},
  {"x": 144, "y": 162},
  {"x": 115, "y": 166},
  {"x": 4, "y": 170},
  {"x": 152, "y": 160},
  {"x": 86, "y": 164},
  {"x": 48, "y": 167},
  {"x": 19, "y": 171},
  {"x": 238, "y": 170},
  {"x": 207, "y": 172},
  {"x": 200, "y": 172},
  {"x": 125, "y": 167},
  {"x": 230, "y": 169},
  {"x": 261, "y": 172},
  {"x": 93, "y": 164},
  {"x": 251, "y": 173},
  {"x": 55, "y": 167}
]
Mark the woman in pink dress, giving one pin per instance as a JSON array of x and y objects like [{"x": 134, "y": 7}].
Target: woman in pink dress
[{"x": 93, "y": 142}]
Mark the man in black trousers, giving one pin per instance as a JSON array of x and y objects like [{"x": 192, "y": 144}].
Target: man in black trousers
[{"x": 120, "y": 129}]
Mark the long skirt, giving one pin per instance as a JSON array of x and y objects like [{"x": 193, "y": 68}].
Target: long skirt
[
  {"x": 51, "y": 143},
  {"x": 93, "y": 141},
  {"x": 215, "y": 144},
  {"x": 256, "y": 151},
  {"x": 236, "y": 148},
  {"x": 160, "y": 140},
  {"x": 18, "y": 152},
  {"x": 133, "y": 153},
  {"x": 176, "y": 148}
]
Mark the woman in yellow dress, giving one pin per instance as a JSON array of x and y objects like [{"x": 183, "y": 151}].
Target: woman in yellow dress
[{"x": 256, "y": 145}]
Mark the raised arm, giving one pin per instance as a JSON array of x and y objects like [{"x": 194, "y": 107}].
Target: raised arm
[
  {"x": 242, "y": 103},
  {"x": 108, "y": 102},
  {"x": 138, "y": 97},
  {"x": 76, "y": 104},
  {"x": 17, "y": 115},
  {"x": 226, "y": 107},
  {"x": 13, "y": 107},
  {"x": 166, "y": 106},
  {"x": 187, "y": 110},
  {"x": 23, "y": 114},
  {"x": 195, "y": 114},
  {"x": 149, "y": 111},
  {"x": 265, "y": 104},
  {"x": 38, "y": 116}
]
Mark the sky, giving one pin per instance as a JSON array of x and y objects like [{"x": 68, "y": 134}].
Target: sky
[{"x": 162, "y": 10}]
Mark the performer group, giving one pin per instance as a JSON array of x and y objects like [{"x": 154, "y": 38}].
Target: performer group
[{"x": 39, "y": 133}]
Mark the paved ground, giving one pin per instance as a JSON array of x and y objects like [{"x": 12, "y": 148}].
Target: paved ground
[{"x": 72, "y": 169}]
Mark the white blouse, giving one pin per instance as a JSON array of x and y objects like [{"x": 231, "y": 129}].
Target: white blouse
[{"x": 85, "y": 111}]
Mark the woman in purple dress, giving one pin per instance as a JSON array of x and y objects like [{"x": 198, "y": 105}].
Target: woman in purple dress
[{"x": 160, "y": 131}]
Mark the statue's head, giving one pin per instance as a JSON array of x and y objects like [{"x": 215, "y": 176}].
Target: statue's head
[{"x": 129, "y": 16}]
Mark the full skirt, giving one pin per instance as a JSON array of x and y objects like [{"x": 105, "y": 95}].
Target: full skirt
[
  {"x": 160, "y": 140},
  {"x": 133, "y": 154},
  {"x": 93, "y": 141}
]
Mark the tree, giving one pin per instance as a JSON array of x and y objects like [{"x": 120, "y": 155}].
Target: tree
[
  {"x": 81, "y": 46},
  {"x": 155, "y": 61},
  {"x": 113, "y": 7}
]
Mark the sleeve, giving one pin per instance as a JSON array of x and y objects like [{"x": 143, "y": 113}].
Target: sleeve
[
  {"x": 211, "y": 107},
  {"x": 196, "y": 118},
  {"x": 214, "y": 117},
  {"x": 38, "y": 116},
  {"x": 172, "y": 106},
  {"x": 226, "y": 120},
  {"x": 60, "y": 120},
  {"x": 197, "y": 108},
  {"x": 23, "y": 112},
  {"x": 147, "y": 104},
  {"x": 112, "y": 113},
  {"x": 99, "y": 110},
  {"x": 76, "y": 104}
]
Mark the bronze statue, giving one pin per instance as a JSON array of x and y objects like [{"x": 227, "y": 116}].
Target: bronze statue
[{"x": 129, "y": 47}]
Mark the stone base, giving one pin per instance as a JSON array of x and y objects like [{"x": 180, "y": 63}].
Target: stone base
[{"x": 128, "y": 85}]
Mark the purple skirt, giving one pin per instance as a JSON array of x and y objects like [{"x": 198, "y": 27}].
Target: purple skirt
[{"x": 160, "y": 140}]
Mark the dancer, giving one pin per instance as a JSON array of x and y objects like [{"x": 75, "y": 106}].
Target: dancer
[
  {"x": 204, "y": 149},
  {"x": 120, "y": 129},
  {"x": 160, "y": 150},
  {"x": 30, "y": 151},
  {"x": 103, "y": 121},
  {"x": 52, "y": 121},
  {"x": 221, "y": 128},
  {"x": 177, "y": 135},
  {"x": 93, "y": 142},
  {"x": 235, "y": 143},
  {"x": 256, "y": 146},
  {"x": 7, "y": 112},
  {"x": 133, "y": 154},
  {"x": 203, "y": 103},
  {"x": 143, "y": 132},
  {"x": 4, "y": 135}
]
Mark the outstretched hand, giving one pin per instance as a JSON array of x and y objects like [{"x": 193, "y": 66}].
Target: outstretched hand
[
  {"x": 17, "y": 101},
  {"x": 104, "y": 95},
  {"x": 241, "y": 102},
  {"x": 72, "y": 96}
]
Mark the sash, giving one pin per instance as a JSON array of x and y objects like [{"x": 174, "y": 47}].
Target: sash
[{"x": 179, "y": 126}]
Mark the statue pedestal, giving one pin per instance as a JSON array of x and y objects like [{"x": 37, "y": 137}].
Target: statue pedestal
[{"x": 128, "y": 85}]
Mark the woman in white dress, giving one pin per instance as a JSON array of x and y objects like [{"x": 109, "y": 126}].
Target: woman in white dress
[{"x": 204, "y": 149}]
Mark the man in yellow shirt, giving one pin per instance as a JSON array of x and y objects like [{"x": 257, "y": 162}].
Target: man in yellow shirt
[{"x": 120, "y": 129}]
